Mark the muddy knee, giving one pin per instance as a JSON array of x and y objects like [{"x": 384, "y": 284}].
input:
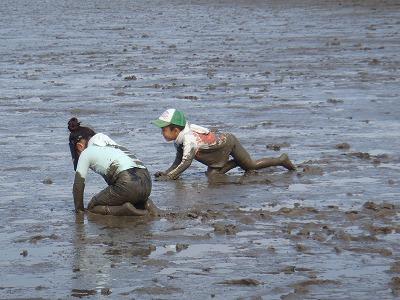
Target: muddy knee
[{"x": 212, "y": 171}]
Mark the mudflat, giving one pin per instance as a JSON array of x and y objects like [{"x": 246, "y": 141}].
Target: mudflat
[{"x": 318, "y": 80}]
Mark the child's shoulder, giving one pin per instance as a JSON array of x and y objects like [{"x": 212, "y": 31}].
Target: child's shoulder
[
  {"x": 101, "y": 139},
  {"x": 199, "y": 129}
]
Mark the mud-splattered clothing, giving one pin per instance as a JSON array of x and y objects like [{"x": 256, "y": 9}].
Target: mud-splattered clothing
[
  {"x": 214, "y": 150},
  {"x": 201, "y": 144},
  {"x": 132, "y": 185},
  {"x": 111, "y": 161},
  {"x": 107, "y": 158}
]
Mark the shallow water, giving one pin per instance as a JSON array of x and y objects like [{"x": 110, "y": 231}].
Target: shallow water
[{"x": 309, "y": 75}]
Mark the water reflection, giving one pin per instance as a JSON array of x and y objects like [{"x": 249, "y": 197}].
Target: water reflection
[{"x": 101, "y": 243}]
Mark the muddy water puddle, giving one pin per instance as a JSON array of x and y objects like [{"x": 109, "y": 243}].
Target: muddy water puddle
[{"x": 317, "y": 80}]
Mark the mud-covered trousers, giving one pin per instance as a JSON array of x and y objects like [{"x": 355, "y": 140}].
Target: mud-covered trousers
[
  {"x": 217, "y": 158},
  {"x": 132, "y": 185}
]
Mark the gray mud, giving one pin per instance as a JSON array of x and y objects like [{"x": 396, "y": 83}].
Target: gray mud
[{"x": 316, "y": 79}]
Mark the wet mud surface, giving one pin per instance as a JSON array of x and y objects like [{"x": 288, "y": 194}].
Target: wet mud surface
[{"x": 315, "y": 79}]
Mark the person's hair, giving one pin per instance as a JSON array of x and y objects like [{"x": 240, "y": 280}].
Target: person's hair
[
  {"x": 173, "y": 126},
  {"x": 77, "y": 132}
]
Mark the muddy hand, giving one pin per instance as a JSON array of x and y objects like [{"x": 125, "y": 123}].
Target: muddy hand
[
  {"x": 164, "y": 177},
  {"x": 91, "y": 204},
  {"x": 159, "y": 173}
]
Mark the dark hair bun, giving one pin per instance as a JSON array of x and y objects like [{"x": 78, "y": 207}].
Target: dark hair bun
[{"x": 73, "y": 124}]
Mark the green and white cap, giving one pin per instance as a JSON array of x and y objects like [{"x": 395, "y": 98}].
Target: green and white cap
[{"x": 170, "y": 116}]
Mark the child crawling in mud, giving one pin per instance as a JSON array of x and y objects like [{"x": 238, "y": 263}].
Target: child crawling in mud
[
  {"x": 129, "y": 182},
  {"x": 210, "y": 148}
]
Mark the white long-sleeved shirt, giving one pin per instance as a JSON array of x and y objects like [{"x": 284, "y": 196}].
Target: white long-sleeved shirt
[
  {"x": 189, "y": 145},
  {"x": 106, "y": 157},
  {"x": 194, "y": 138}
]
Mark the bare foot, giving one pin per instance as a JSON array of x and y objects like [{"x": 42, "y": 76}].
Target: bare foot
[
  {"x": 152, "y": 208},
  {"x": 285, "y": 162},
  {"x": 133, "y": 211}
]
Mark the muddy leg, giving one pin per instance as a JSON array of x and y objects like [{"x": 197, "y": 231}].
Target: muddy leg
[
  {"x": 243, "y": 159},
  {"x": 211, "y": 172},
  {"x": 110, "y": 196},
  {"x": 127, "y": 209},
  {"x": 228, "y": 166},
  {"x": 282, "y": 161}
]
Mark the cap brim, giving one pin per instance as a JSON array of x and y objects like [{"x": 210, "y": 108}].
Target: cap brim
[{"x": 160, "y": 123}]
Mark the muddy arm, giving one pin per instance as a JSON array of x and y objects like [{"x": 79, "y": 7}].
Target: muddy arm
[
  {"x": 78, "y": 188},
  {"x": 184, "y": 164},
  {"x": 73, "y": 155},
  {"x": 177, "y": 161},
  {"x": 174, "y": 174}
]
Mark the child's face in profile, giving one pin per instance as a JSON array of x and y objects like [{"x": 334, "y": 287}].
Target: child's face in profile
[{"x": 170, "y": 134}]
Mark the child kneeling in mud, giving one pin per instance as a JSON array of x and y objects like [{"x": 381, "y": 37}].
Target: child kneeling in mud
[
  {"x": 129, "y": 182},
  {"x": 210, "y": 148}
]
